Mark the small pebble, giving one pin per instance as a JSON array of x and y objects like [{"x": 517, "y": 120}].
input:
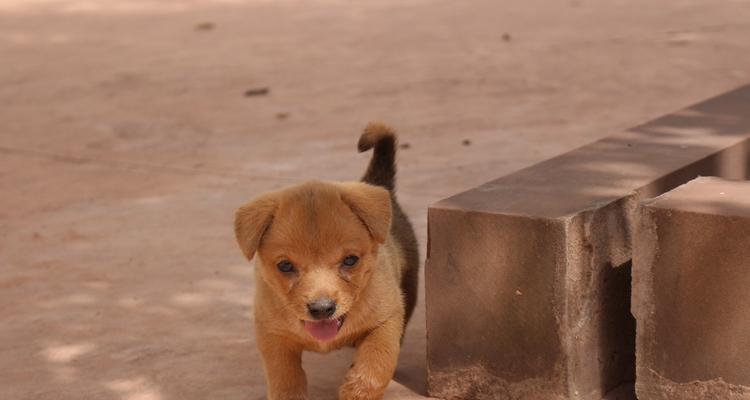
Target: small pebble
[
  {"x": 466, "y": 142},
  {"x": 507, "y": 37},
  {"x": 405, "y": 145},
  {"x": 257, "y": 92},
  {"x": 205, "y": 26},
  {"x": 282, "y": 115}
]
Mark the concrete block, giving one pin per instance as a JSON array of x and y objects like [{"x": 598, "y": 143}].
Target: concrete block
[
  {"x": 528, "y": 276},
  {"x": 691, "y": 293}
]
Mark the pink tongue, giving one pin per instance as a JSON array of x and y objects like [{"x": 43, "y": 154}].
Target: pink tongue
[{"x": 322, "y": 330}]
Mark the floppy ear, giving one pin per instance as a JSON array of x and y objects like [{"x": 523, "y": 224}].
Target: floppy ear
[
  {"x": 372, "y": 204},
  {"x": 251, "y": 221}
]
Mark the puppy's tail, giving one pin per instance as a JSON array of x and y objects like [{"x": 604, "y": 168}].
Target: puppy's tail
[{"x": 382, "y": 168}]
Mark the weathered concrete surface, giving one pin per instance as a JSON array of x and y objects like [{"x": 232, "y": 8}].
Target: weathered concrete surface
[
  {"x": 690, "y": 292},
  {"x": 127, "y": 143},
  {"x": 528, "y": 276}
]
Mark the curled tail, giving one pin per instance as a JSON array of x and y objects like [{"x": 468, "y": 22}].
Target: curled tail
[{"x": 382, "y": 168}]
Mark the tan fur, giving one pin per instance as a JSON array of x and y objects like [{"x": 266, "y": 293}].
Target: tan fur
[{"x": 315, "y": 226}]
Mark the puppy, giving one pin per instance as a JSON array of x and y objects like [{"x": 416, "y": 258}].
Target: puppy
[{"x": 336, "y": 265}]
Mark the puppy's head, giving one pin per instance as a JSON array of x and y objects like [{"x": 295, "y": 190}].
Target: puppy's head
[{"x": 316, "y": 245}]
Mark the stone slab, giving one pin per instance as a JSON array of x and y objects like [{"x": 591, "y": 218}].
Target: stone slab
[
  {"x": 528, "y": 276},
  {"x": 690, "y": 292}
]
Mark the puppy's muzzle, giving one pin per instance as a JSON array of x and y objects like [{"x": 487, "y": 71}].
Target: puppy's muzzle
[{"x": 321, "y": 308}]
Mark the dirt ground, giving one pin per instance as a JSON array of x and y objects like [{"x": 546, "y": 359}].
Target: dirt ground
[{"x": 127, "y": 141}]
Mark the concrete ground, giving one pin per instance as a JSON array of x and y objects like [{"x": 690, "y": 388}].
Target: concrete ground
[{"x": 127, "y": 142}]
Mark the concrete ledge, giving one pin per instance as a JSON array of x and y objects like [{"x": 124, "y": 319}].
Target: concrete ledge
[
  {"x": 528, "y": 276},
  {"x": 690, "y": 293}
]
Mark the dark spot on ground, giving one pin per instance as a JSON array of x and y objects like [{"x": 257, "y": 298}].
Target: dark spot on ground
[
  {"x": 262, "y": 91},
  {"x": 205, "y": 26}
]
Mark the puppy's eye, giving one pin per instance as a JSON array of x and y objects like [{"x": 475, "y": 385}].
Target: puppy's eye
[
  {"x": 349, "y": 261},
  {"x": 285, "y": 266}
]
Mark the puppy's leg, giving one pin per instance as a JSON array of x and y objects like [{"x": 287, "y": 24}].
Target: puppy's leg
[
  {"x": 282, "y": 363},
  {"x": 374, "y": 363}
]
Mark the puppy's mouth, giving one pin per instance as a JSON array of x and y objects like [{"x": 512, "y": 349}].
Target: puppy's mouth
[{"x": 325, "y": 330}]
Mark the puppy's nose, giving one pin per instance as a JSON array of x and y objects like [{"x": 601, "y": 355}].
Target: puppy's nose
[{"x": 321, "y": 308}]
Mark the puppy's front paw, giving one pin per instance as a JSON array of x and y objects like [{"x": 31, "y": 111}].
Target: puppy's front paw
[
  {"x": 287, "y": 396},
  {"x": 360, "y": 385}
]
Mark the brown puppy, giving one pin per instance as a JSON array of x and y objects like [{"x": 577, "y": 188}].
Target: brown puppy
[{"x": 336, "y": 265}]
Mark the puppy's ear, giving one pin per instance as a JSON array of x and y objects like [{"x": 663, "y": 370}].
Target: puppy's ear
[
  {"x": 251, "y": 221},
  {"x": 372, "y": 204}
]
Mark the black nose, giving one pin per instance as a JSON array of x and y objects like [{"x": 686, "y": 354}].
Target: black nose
[{"x": 322, "y": 308}]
